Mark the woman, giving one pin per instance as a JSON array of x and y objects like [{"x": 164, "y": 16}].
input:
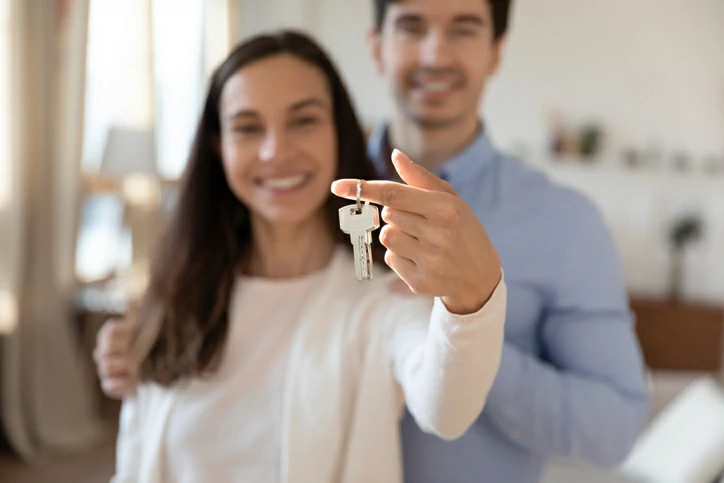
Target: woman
[{"x": 261, "y": 357}]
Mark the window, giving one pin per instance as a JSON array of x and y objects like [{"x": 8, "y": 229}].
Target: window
[
  {"x": 147, "y": 68},
  {"x": 8, "y": 302},
  {"x": 5, "y": 144}
]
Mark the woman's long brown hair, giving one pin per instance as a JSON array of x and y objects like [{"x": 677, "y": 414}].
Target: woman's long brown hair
[{"x": 183, "y": 319}]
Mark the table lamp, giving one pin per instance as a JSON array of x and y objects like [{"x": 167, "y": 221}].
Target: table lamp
[{"x": 130, "y": 159}]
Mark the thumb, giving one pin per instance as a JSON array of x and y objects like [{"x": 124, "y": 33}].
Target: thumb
[{"x": 416, "y": 175}]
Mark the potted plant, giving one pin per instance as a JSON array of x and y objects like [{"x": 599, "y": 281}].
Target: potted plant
[{"x": 684, "y": 231}]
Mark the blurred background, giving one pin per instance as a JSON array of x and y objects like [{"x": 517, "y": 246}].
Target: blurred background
[{"x": 622, "y": 99}]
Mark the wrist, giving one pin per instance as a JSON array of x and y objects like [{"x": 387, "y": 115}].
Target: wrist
[{"x": 470, "y": 301}]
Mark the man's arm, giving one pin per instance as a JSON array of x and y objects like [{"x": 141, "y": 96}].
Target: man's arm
[
  {"x": 587, "y": 398},
  {"x": 112, "y": 355}
]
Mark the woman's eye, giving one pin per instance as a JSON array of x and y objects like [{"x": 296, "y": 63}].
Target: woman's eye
[
  {"x": 304, "y": 121},
  {"x": 246, "y": 129}
]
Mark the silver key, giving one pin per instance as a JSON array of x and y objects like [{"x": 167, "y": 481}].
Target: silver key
[{"x": 359, "y": 221}]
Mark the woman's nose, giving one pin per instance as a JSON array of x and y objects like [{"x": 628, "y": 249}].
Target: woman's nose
[{"x": 274, "y": 146}]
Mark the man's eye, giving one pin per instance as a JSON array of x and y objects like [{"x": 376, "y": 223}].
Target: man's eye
[
  {"x": 464, "y": 32},
  {"x": 412, "y": 28}
]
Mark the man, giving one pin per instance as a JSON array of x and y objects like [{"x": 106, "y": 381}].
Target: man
[{"x": 571, "y": 381}]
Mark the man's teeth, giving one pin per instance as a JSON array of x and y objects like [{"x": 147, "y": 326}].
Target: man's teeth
[
  {"x": 287, "y": 183},
  {"x": 437, "y": 86}
]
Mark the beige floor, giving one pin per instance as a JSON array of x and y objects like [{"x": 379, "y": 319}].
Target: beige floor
[{"x": 93, "y": 467}]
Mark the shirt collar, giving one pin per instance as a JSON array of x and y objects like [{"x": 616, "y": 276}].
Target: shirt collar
[{"x": 474, "y": 158}]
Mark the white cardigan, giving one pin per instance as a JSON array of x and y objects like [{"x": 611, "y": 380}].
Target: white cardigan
[{"x": 359, "y": 354}]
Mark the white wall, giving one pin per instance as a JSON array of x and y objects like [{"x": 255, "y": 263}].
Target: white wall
[
  {"x": 652, "y": 71},
  {"x": 640, "y": 207},
  {"x": 341, "y": 25}
]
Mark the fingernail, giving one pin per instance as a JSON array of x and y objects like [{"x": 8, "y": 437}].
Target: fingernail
[{"x": 399, "y": 153}]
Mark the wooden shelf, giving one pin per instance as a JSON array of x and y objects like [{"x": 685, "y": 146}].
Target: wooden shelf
[{"x": 680, "y": 336}]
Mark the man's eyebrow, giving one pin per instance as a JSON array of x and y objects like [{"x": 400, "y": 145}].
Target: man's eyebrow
[
  {"x": 469, "y": 18},
  {"x": 408, "y": 18},
  {"x": 463, "y": 18}
]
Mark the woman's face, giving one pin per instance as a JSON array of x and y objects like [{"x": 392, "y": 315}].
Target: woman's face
[{"x": 278, "y": 139}]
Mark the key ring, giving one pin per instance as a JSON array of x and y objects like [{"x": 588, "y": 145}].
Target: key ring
[{"x": 359, "y": 195}]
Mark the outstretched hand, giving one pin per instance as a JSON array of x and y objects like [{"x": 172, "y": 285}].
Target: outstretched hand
[{"x": 434, "y": 241}]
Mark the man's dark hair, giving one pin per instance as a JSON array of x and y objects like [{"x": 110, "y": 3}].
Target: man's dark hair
[{"x": 499, "y": 8}]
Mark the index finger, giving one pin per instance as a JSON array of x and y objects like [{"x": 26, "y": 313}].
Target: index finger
[{"x": 385, "y": 193}]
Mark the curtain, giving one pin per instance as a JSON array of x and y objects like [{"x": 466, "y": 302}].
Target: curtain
[
  {"x": 70, "y": 71},
  {"x": 46, "y": 399}
]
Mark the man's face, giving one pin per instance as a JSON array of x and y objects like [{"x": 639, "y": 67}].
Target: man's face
[{"x": 436, "y": 56}]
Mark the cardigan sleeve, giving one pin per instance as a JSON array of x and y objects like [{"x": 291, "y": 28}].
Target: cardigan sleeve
[
  {"x": 446, "y": 363},
  {"x": 129, "y": 443}
]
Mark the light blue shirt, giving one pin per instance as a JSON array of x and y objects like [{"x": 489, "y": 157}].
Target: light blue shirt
[{"x": 571, "y": 382}]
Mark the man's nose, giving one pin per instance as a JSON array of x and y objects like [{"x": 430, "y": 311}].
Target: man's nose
[{"x": 435, "y": 51}]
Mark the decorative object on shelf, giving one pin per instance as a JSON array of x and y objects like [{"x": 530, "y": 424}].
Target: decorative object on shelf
[
  {"x": 683, "y": 232},
  {"x": 632, "y": 158},
  {"x": 130, "y": 158},
  {"x": 680, "y": 161},
  {"x": 653, "y": 155},
  {"x": 590, "y": 143},
  {"x": 582, "y": 143},
  {"x": 714, "y": 164}
]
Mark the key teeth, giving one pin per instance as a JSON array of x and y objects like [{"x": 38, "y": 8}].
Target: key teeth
[{"x": 360, "y": 232}]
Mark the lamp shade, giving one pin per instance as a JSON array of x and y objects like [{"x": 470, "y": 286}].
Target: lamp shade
[{"x": 129, "y": 151}]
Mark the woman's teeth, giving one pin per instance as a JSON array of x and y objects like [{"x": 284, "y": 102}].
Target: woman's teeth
[{"x": 287, "y": 183}]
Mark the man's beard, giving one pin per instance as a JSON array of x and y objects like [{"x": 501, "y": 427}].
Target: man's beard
[
  {"x": 455, "y": 76},
  {"x": 427, "y": 122},
  {"x": 430, "y": 122}
]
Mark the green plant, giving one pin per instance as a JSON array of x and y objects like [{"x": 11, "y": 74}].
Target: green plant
[{"x": 685, "y": 230}]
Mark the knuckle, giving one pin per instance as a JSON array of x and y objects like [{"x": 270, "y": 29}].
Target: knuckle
[
  {"x": 389, "y": 257},
  {"x": 439, "y": 240},
  {"x": 450, "y": 214},
  {"x": 387, "y": 235},
  {"x": 389, "y": 195},
  {"x": 449, "y": 210},
  {"x": 445, "y": 241},
  {"x": 387, "y": 214}
]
